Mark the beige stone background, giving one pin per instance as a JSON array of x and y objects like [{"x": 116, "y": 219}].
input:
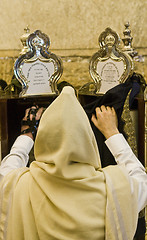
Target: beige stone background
[{"x": 73, "y": 27}]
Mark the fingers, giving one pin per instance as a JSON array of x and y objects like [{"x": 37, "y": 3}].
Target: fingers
[
  {"x": 26, "y": 113},
  {"x": 113, "y": 110},
  {"x": 32, "y": 116},
  {"x": 106, "y": 121},
  {"x": 102, "y": 113},
  {"x": 39, "y": 113},
  {"x": 104, "y": 109},
  {"x": 94, "y": 120}
]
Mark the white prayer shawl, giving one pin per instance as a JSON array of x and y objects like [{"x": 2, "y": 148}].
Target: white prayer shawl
[{"x": 66, "y": 194}]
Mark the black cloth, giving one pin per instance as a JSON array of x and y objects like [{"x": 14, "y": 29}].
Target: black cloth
[
  {"x": 115, "y": 97},
  {"x": 141, "y": 227}
]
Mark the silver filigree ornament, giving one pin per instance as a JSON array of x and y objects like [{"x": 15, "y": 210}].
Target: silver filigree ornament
[
  {"x": 38, "y": 70},
  {"x": 109, "y": 66}
]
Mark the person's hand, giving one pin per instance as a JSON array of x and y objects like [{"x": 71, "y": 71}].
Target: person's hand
[
  {"x": 106, "y": 121},
  {"x": 32, "y": 115}
]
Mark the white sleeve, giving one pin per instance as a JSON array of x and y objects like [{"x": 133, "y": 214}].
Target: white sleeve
[
  {"x": 124, "y": 155},
  {"x": 18, "y": 156}
]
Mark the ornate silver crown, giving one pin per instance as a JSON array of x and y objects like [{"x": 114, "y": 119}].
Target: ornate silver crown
[{"x": 38, "y": 70}]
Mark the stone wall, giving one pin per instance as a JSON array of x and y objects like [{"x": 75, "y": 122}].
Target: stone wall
[{"x": 73, "y": 27}]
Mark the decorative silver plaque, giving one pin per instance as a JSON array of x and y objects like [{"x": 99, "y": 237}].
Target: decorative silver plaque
[
  {"x": 38, "y": 70},
  {"x": 109, "y": 66}
]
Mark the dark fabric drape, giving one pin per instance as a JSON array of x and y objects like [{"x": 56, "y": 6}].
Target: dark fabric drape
[{"x": 115, "y": 97}]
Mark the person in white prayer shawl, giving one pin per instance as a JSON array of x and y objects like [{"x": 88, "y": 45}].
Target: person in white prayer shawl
[{"x": 65, "y": 194}]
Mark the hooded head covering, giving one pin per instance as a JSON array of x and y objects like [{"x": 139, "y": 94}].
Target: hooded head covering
[
  {"x": 63, "y": 127},
  {"x": 65, "y": 194}
]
